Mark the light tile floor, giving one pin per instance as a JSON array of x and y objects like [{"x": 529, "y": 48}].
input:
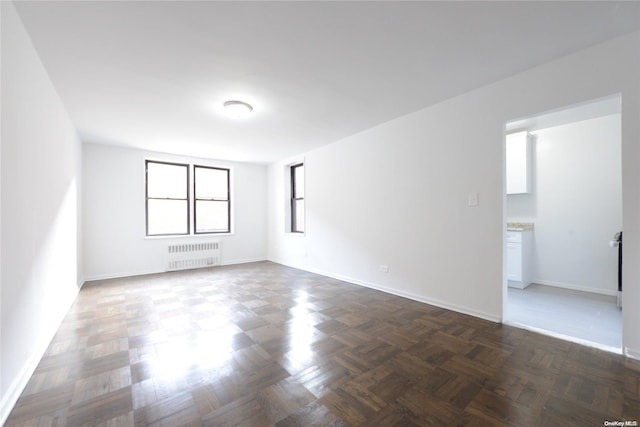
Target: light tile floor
[{"x": 584, "y": 317}]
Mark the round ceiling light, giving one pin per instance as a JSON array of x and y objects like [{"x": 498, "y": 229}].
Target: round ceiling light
[{"x": 237, "y": 109}]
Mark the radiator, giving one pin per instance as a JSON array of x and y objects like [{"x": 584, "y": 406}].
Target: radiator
[{"x": 192, "y": 255}]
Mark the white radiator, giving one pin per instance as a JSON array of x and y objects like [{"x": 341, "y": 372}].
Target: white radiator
[{"x": 192, "y": 255}]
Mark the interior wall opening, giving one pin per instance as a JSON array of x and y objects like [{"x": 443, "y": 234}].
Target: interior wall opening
[{"x": 564, "y": 223}]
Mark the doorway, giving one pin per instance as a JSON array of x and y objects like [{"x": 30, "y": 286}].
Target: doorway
[{"x": 561, "y": 260}]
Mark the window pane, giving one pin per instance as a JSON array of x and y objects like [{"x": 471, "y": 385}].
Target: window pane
[
  {"x": 211, "y": 183},
  {"x": 166, "y": 181},
  {"x": 298, "y": 221},
  {"x": 299, "y": 181},
  {"x": 167, "y": 217},
  {"x": 212, "y": 216}
]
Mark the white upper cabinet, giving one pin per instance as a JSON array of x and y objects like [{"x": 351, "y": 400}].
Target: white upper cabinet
[{"x": 518, "y": 163}]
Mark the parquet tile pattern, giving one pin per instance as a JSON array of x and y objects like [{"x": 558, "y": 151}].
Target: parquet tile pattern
[{"x": 265, "y": 345}]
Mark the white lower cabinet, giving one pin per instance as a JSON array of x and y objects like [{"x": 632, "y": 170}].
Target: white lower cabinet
[
  {"x": 514, "y": 262},
  {"x": 519, "y": 259}
]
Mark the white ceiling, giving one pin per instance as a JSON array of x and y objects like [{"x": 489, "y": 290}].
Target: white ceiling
[{"x": 153, "y": 75}]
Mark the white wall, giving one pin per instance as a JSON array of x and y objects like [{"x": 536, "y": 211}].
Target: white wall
[
  {"x": 576, "y": 205},
  {"x": 114, "y": 213},
  {"x": 397, "y": 194},
  {"x": 377, "y": 198},
  {"x": 40, "y": 180}
]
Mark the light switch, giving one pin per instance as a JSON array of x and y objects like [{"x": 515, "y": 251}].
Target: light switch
[{"x": 473, "y": 199}]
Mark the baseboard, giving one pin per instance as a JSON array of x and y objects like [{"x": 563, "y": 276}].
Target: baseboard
[
  {"x": 632, "y": 353},
  {"x": 243, "y": 261},
  {"x": 17, "y": 385},
  {"x": 121, "y": 275},
  {"x": 400, "y": 293},
  {"x": 8, "y": 400},
  {"x": 147, "y": 272},
  {"x": 573, "y": 287}
]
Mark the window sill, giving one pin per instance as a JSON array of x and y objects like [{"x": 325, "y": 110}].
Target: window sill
[{"x": 187, "y": 236}]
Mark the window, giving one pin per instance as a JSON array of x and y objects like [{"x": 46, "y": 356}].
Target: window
[
  {"x": 297, "y": 198},
  {"x": 168, "y": 199},
  {"x": 212, "y": 208}
]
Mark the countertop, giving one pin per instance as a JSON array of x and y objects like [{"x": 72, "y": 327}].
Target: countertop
[{"x": 519, "y": 226}]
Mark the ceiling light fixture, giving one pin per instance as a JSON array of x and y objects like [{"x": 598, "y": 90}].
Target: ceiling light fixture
[{"x": 237, "y": 109}]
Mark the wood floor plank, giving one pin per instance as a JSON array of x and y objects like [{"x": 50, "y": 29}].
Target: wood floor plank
[
  {"x": 284, "y": 398},
  {"x": 101, "y": 408},
  {"x": 313, "y": 415},
  {"x": 266, "y": 345}
]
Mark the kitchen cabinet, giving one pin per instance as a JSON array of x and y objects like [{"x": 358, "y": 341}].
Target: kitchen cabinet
[
  {"x": 518, "y": 159},
  {"x": 519, "y": 258}
]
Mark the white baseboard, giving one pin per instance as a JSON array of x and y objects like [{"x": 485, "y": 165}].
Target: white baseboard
[
  {"x": 243, "y": 261},
  {"x": 404, "y": 294},
  {"x": 632, "y": 353},
  {"x": 9, "y": 399},
  {"x": 18, "y": 384},
  {"x": 147, "y": 272},
  {"x": 573, "y": 287},
  {"x": 121, "y": 275}
]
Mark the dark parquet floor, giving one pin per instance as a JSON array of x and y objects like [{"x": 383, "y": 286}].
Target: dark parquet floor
[{"x": 265, "y": 345}]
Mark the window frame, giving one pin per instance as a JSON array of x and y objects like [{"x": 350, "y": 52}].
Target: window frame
[
  {"x": 146, "y": 194},
  {"x": 294, "y": 199},
  {"x": 195, "y": 200}
]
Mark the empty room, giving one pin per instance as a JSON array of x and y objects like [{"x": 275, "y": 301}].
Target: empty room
[{"x": 295, "y": 213}]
